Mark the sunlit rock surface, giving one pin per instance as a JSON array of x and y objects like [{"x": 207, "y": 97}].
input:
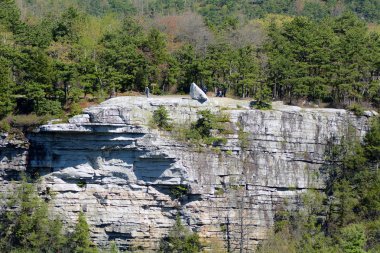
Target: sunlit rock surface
[{"x": 127, "y": 177}]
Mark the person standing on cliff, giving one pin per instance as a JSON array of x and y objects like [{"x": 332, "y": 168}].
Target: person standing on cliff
[{"x": 147, "y": 91}]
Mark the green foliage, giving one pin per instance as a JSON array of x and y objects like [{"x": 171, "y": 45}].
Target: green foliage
[
  {"x": 219, "y": 191},
  {"x": 356, "y": 109},
  {"x": 48, "y": 62},
  {"x": 242, "y": 137},
  {"x": 113, "y": 247},
  {"x": 217, "y": 13},
  {"x": 303, "y": 54},
  {"x": 217, "y": 141},
  {"x": 180, "y": 239},
  {"x": 9, "y": 15},
  {"x": 27, "y": 225},
  {"x": 229, "y": 152},
  {"x": 4, "y": 125},
  {"x": 205, "y": 128},
  {"x": 372, "y": 141},
  {"x": 260, "y": 105},
  {"x": 179, "y": 191},
  {"x": 161, "y": 118},
  {"x": 24, "y": 122},
  {"x": 49, "y": 107},
  {"x": 352, "y": 239},
  {"x": 75, "y": 109},
  {"x": 345, "y": 217},
  {"x": 80, "y": 239},
  {"x": 82, "y": 183},
  {"x": 205, "y": 123},
  {"x": 6, "y": 88}
]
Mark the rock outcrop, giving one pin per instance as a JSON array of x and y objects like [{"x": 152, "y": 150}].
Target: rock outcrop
[
  {"x": 132, "y": 180},
  {"x": 13, "y": 157},
  {"x": 197, "y": 93}
]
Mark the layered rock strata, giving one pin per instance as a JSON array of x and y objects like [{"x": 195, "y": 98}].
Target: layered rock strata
[{"x": 131, "y": 180}]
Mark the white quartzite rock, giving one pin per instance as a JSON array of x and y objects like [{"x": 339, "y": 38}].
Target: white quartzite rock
[{"x": 197, "y": 93}]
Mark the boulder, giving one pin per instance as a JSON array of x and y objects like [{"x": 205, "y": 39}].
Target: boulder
[{"x": 197, "y": 93}]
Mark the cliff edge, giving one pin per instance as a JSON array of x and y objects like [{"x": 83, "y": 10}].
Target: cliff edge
[{"x": 132, "y": 180}]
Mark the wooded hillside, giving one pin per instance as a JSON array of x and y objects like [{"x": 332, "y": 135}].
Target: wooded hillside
[{"x": 57, "y": 54}]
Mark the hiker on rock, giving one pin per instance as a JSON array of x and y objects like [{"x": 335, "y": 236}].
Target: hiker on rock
[{"x": 147, "y": 91}]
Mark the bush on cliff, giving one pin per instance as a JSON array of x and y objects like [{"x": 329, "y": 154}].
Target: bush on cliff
[
  {"x": 161, "y": 118},
  {"x": 180, "y": 240},
  {"x": 207, "y": 126}
]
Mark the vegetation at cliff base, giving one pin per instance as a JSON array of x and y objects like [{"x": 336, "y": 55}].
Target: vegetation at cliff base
[
  {"x": 345, "y": 217},
  {"x": 180, "y": 239},
  {"x": 26, "y": 225}
]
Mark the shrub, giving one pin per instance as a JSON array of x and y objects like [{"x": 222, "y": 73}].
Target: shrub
[
  {"x": 179, "y": 191},
  {"x": 243, "y": 137},
  {"x": 4, "y": 125},
  {"x": 216, "y": 141},
  {"x": 201, "y": 130},
  {"x": 50, "y": 107},
  {"x": 260, "y": 105},
  {"x": 192, "y": 134},
  {"x": 82, "y": 183},
  {"x": 205, "y": 123},
  {"x": 180, "y": 239},
  {"x": 352, "y": 238},
  {"x": 219, "y": 191},
  {"x": 357, "y": 109},
  {"x": 75, "y": 109},
  {"x": 113, "y": 247},
  {"x": 161, "y": 118},
  {"x": 157, "y": 91}
]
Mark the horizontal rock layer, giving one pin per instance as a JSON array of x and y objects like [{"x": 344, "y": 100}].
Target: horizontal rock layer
[{"x": 132, "y": 180}]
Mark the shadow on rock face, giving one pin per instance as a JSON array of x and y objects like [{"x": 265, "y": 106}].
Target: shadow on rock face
[{"x": 104, "y": 158}]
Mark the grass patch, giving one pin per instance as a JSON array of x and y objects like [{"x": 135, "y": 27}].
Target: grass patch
[
  {"x": 23, "y": 122},
  {"x": 242, "y": 137},
  {"x": 219, "y": 191},
  {"x": 229, "y": 152}
]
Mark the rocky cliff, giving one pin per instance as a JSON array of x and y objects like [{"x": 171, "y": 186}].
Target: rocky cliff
[{"x": 132, "y": 180}]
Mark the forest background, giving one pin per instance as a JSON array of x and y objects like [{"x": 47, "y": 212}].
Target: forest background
[{"x": 59, "y": 56}]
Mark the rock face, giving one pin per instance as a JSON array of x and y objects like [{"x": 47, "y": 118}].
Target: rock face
[
  {"x": 197, "y": 93},
  {"x": 132, "y": 181},
  {"x": 13, "y": 157}
]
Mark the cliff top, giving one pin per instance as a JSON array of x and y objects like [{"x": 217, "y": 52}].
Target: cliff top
[{"x": 137, "y": 111}]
